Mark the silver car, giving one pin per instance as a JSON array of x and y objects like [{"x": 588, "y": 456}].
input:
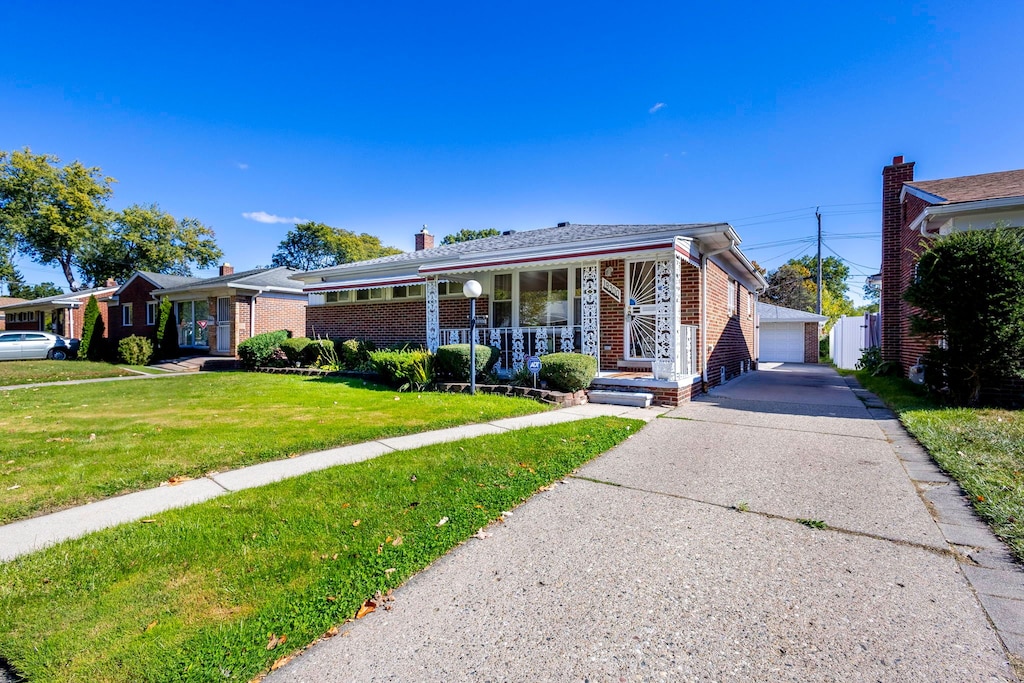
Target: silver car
[{"x": 15, "y": 345}]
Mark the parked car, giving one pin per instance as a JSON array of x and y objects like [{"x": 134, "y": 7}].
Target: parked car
[{"x": 26, "y": 345}]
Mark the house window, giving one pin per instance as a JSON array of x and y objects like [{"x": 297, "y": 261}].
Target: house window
[
  {"x": 544, "y": 297},
  {"x": 732, "y": 297},
  {"x": 126, "y": 315},
  {"x": 407, "y": 292},
  {"x": 338, "y": 297},
  {"x": 151, "y": 310},
  {"x": 369, "y": 294},
  {"x": 501, "y": 301},
  {"x": 750, "y": 305},
  {"x": 193, "y": 318}
]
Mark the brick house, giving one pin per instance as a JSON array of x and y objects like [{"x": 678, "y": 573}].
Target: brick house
[
  {"x": 788, "y": 335},
  {"x": 7, "y": 301},
  {"x": 914, "y": 212},
  {"x": 60, "y": 314},
  {"x": 667, "y": 309}
]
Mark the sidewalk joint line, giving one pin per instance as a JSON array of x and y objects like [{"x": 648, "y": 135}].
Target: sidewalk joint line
[
  {"x": 946, "y": 552},
  {"x": 780, "y": 429}
]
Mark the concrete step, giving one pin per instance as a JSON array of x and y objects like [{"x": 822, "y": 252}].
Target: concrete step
[{"x": 636, "y": 399}]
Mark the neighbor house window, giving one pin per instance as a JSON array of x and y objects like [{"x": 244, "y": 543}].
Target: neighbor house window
[
  {"x": 126, "y": 315},
  {"x": 151, "y": 309}
]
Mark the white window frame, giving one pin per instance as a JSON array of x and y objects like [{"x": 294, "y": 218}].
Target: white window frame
[
  {"x": 126, "y": 314},
  {"x": 570, "y": 284},
  {"x": 732, "y": 298},
  {"x": 151, "y": 312}
]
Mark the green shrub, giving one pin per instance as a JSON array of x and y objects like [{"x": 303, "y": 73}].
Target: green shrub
[
  {"x": 319, "y": 352},
  {"x": 135, "y": 350},
  {"x": 91, "y": 345},
  {"x": 568, "y": 371},
  {"x": 295, "y": 349},
  {"x": 167, "y": 331},
  {"x": 403, "y": 369},
  {"x": 355, "y": 353},
  {"x": 451, "y": 362},
  {"x": 263, "y": 349}
]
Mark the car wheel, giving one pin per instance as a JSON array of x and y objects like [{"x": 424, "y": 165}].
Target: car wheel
[{"x": 57, "y": 354}]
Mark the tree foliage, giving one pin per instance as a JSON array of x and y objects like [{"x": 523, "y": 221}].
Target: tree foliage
[
  {"x": 969, "y": 290},
  {"x": 148, "y": 238},
  {"x": 793, "y": 285},
  {"x": 57, "y": 216},
  {"x": 465, "y": 235},
  {"x": 167, "y": 331},
  {"x": 312, "y": 245},
  {"x": 833, "y": 271},
  {"x": 789, "y": 286}
]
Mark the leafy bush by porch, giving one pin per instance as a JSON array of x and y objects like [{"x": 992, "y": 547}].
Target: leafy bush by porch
[
  {"x": 295, "y": 348},
  {"x": 319, "y": 351},
  {"x": 568, "y": 371},
  {"x": 91, "y": 345},
  {"x": 404, "y": 369},
  {"x": 135, "y": 350},
  {"x": 355, "y": 352},
  {"x": 451, "y": 362},
  {"x": 258, "y": 350}
]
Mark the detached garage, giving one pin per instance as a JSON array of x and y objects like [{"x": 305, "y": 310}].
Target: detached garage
[{"x": 786, "y": 335}]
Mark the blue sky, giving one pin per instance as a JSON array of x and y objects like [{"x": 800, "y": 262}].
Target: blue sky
[{"x": 381, "y": 117}]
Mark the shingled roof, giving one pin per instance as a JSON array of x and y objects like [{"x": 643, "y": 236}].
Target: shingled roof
[
  {"x": 770, "y": 313},
  {"x": 972, "y": 188}
]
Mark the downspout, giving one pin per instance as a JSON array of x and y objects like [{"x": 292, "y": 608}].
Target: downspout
[
  {"x": 252, "y": 313},
  {"x": 704, "y": 309}
]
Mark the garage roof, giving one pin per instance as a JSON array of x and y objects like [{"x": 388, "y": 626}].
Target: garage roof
[{"x": 770, "y": 313}]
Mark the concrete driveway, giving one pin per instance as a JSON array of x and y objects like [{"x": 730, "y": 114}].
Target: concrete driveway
[{"x": 681, "y": 555}]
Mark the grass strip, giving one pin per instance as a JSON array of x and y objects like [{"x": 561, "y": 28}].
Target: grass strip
[
  {"x": 13, "y": 373},
  {"x": 69, "y": 445},
  {"x": 199, "y": 594},
  {"x": 982, "y": 448}
]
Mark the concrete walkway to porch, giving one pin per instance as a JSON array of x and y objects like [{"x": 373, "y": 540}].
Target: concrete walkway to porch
[{"x": 779, "y": 529}]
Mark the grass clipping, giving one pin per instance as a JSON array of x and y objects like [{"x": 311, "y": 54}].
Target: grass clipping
[{"x": 224, "y": 589}]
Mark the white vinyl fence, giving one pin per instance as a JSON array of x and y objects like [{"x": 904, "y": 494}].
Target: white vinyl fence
[{"x": 850, "y": 336}]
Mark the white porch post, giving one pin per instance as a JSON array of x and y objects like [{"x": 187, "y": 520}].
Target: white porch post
[
  {"x": 590, "y": 323},
  {"x": 433, "y": 316},
  {"x": 668, "y": 318}
]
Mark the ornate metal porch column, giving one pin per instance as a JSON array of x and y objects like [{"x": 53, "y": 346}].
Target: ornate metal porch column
[
  {"x": 590, "y": 322},
  {"x": 668, "y": 318},
  {"x": 433, "y": 316}
]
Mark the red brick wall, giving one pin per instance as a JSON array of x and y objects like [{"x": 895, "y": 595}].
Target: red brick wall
[
  {"x": 278, "y": 312},
  {"x": 893, "y": 177},
  {"x": 613, "y": 316},
  {"x": 33, "y": 326},
  {"x": 811, "y": 350},
  {"x": 138, "y": 293},
  {"x": 39, "y": 322},
  {"x": 912, "y": 245},
  {"x": 731, "y": 337}
]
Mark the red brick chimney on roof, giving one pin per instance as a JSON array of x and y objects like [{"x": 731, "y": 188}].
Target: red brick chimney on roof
[
  {"x": 111, "y": 282},
  {"x": 227, "y": 269},
  {"x": 893, "y": 177},
  {"x": 424, "y": 240}
]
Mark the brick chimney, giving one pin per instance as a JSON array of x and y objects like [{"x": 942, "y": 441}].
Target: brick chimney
[
  {"x": 111, "y": 282},
  {"x": 424, "y": 240},
  {"x": 893, "y": 177},
  {"x": 227, "y": 269}
]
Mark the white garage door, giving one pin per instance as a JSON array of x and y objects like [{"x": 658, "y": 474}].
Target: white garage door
[{"x": 782, "y": 342}]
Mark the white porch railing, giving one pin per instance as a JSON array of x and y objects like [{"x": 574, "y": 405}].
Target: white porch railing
[
  {"x": 688, "y": 350},
  {"x": 517, "y": 343}
]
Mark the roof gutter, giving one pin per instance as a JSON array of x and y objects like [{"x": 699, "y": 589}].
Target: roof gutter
[{"x": 921, "y": 223}]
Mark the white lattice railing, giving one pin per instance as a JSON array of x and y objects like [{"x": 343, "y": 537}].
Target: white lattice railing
[
  {"x": 688, "y": 350},
  {"x": 517, "y": 343}
]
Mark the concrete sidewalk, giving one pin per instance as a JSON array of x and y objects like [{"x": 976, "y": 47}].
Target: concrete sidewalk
[
  {"x": 643, "y": 567},
  {"x": 20, "y": 538}
]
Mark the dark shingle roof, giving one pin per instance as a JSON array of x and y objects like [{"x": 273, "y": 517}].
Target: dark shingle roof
[
  {"x": 565, "y": 234},
  {"x": 972, "y": 188},
  {"x": 165, "y": 281},
  {"x": 256, "y": 277},
  {"x": 771, "y": 313},
  {"x": 71, "y": 295}
]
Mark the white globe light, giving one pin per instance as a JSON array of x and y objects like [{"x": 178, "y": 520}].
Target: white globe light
[{"x": 472, "y": 289}]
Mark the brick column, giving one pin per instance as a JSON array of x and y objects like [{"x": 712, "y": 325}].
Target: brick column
[{"x": 893, "y": 177}]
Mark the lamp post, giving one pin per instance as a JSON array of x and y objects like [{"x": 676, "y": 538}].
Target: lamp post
[{"x": 472, "y": 290}]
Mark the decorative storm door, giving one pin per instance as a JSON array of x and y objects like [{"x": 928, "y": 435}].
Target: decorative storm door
[
  {"x": 223, "y": 324},
  {"x": 641, "y": 310}
]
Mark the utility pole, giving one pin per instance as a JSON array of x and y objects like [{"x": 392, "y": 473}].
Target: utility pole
[{"x": 817, "y": 214}]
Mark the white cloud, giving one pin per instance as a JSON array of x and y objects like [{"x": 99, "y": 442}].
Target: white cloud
[
  {"x": 264, "y": 217},
  {"x": 241, "y": 166},
  {"x": 656, "y": 107}
]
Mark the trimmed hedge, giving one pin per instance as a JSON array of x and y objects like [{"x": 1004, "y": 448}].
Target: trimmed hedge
[
  {"x": 135, "y": 350},
  {"x": 295, "y": 348},
  {"x": 403, "y": 369},
  {"x": 451, "y": 362},
  {"x": 315, "y": 351},
  {"x": 256, "y": 351},
  {"x": 568, "y": 371}
]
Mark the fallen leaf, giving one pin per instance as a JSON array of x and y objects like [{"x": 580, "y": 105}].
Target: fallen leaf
[
  {"x": 152, "y": 624},
  {"x": 334, "y": 556},
  {"x": 331, "y": 598},
  {"x": 380, "y": 548},
  {"x": 357, "y": 522},
  {"x": 281, "y": 662},
  {"x": 92, "y": 437},
  {"x": 331, "y": 632},
  {"x": 346, "y": 505},
  {"x": 273, "y": 642},
  {"x": 412, "y": 478},
  {"x": 147, "y": 521},
  {"x": 397, "y": 542},
  {"x": 481, "y": 534},
  {"x": 444, "y": 520},
  {"x": 389, "y": 571},
  {"x": 367, "y": 607},
  {"x": 14, "y": 487}
]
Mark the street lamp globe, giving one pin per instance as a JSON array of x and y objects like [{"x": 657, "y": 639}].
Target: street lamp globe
[{"x": 472, "y": 289}]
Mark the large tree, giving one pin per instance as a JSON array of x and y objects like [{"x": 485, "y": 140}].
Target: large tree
[
  {"x": 312, "y": 245},
  {"x": 833, "y": 271},
  {"x": 465, "y": 235},
  {"x": 53, "y": 213},
  {"x": 969, "y": 287},
  {"x": 147, "y": 238},
  {"x": 790, "y": 286}
]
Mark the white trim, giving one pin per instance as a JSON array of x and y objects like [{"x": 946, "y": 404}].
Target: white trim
[
  {"x": 921, "y": 194},
  {"x": 950, "y": 211}
]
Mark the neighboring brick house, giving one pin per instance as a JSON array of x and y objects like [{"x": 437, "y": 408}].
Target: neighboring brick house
[
  {"x": 664, "y": 308},
  {"x": 914, "y": 212},
  {"x": 60, "y": 314},
  {"x": 215, "y": 314},
  {"x": 787, "y": 335},
  {"x": 7, "y": 301}
]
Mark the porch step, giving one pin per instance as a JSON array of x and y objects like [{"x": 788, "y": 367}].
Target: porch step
[
  {"x": 633, "y": 365},
  {"x": 636, "y": 399},
  {"x": 215, "y": 364}
]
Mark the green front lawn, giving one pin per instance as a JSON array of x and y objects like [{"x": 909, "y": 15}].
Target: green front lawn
[
  {"x": 14, "y": 372},
  {"x": 982, "y": 448},
  {"x": 221, "y": 590},
  {"x": 68, "y": 445}
]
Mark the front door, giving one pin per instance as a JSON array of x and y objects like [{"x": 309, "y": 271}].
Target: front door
[
  {"x": 223, "y": 324},
  {"x": 641, "y": 310}
]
